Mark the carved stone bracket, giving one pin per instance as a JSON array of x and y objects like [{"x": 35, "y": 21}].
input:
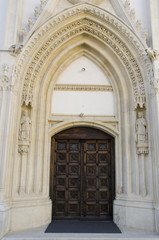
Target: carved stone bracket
[
  {"x": 142, "y": 148},
  {"x": 16, "y": 49},
  {"x": 152, "y": 53},
  {"x": 24, "y": 148}
]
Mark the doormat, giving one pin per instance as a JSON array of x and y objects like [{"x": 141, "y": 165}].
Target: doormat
[{"x": 59, "y": 226}]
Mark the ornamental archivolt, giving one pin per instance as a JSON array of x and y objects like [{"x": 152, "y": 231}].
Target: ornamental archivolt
[
  {"x": 89, "y": 1},
  {"x": 90, "y": 27},
  {"x": 97, "y": 30}
]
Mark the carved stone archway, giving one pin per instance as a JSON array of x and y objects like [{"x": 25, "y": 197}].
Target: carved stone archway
[{"x": 87, "y": 30}]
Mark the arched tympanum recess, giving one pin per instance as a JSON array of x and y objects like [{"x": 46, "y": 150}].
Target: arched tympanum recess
[
  {"x": 91, "y": 21},
  {"x": 63, "y": 126}
]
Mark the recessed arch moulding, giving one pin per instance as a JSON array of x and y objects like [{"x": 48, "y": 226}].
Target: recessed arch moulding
[{"x": 83, "y": 30}]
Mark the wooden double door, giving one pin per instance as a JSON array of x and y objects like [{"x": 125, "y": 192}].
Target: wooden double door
[{"x": 82, "y": 174}]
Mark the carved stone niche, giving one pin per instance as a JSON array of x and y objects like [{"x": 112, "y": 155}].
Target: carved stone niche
[{"x": 141, "y": 133}]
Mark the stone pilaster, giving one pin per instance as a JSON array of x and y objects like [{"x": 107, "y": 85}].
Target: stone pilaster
[
  {"x": 154, "y": 24},
  {"x": 7, "y": 128}
]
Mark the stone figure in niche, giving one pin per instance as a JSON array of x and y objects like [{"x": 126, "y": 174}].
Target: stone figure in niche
[
  {"x": 25, "y": 126},
  {"x": 141, "y": 129}
]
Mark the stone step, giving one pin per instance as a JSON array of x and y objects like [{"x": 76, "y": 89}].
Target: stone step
[{"x": 39, "y": 234}]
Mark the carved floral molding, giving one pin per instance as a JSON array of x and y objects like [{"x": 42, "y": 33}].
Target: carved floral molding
[
  {"x": 95, "y": 88},
  {"x": 111, "y": 31}
]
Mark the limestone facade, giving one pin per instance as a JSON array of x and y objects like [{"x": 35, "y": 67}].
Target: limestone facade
[{"x": 78, "y": 63}]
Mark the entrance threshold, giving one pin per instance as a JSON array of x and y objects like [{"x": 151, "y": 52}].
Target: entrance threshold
[{"x": 68, "y": 226}]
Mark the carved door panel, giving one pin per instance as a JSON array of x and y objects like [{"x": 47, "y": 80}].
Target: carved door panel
[
  {"x": 82, "y": 178},
  {"x": 97, "y": 178},
  {"x": 67, "y": 171}
]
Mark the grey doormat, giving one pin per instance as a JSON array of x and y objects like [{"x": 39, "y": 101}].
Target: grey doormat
[{"x": 60, "y": 226}]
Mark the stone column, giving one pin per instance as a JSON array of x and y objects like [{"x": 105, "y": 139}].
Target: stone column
[{"x": 23, "y": 150}]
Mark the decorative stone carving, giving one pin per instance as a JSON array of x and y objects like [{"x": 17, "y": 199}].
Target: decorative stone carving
[
  {"x": 25, "y": 127},
  {"x": 65, "y": 87},
  {"x": 30, "y": 22},
  {"x": 105, "y": 32},
  {"x": 16, "y": 49},
  {"x": 139, "y": 25},
  {"x": 14, "y": 75},
  {"x": 94, "y": 29},
  {"x": 141, "y": 134},
  {"x": 132, "y": 14},
  {"x": 89, "y": 1},
  {"x": 145, "y": 36},
  {"x": 43, "y": 3},
  {"x": 23, "y": 149},
  {"x": 5, "y": 79},
  {"x": 5, "y": 69},
  {"x": 27, "y": 99},
  {"x": 127, "y": 5},
  {"x": 37, "y": 12},
  {"x": 81, "y": 115},
  {"x": 4, "y": 83},
  {"x": 140, "y": 102},
  {"x": 153, "y": 54},
  {"x": 24, "y": 32}
]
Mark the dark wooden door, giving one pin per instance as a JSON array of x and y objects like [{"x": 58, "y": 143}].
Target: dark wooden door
[{"x": 82, "y": 174}]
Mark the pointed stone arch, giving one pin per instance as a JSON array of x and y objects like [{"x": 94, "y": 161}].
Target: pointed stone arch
[{"x": 89, "y": 20}]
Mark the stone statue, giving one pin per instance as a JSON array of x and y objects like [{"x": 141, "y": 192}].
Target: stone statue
[
  {"x": 25, "y": 126},
  {"x": 141, "y": 129}
]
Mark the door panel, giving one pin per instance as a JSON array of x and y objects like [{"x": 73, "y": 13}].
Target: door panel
[{"x": 82, "y": 177}]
